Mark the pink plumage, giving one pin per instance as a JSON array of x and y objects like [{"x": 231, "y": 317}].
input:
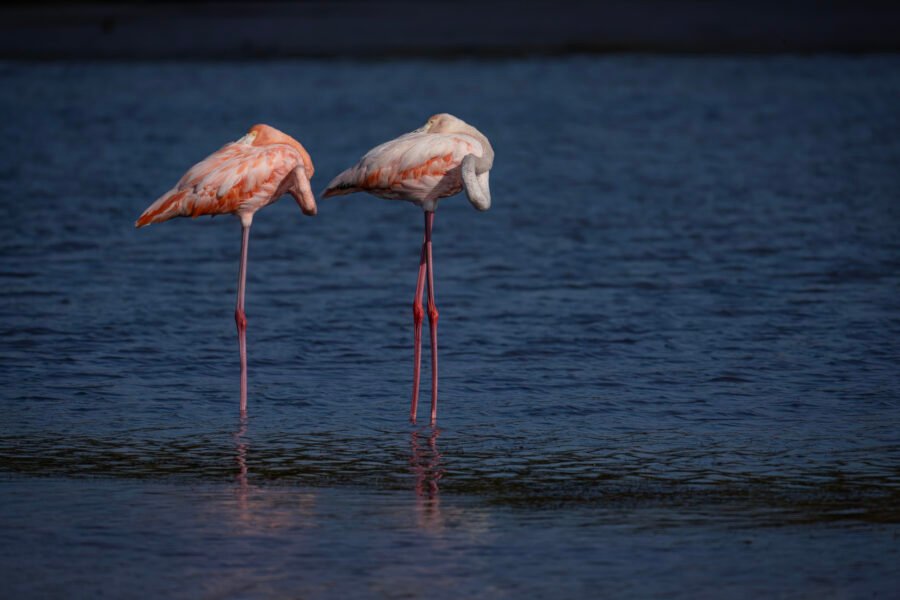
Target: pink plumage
[
  {"x": 416, "y": 166},
  {"x": 239, "y": 178}
]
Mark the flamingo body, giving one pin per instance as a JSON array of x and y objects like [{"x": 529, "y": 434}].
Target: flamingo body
[
  {"x": 417, "y": 167},
  {"x": 422, "y": 166},
  {"x": 240, "y": 178}
]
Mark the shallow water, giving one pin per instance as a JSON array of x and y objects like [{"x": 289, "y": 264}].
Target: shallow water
[{"x": 676, "y": 329}]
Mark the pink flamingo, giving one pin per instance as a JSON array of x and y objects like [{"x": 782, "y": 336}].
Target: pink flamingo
[
  {"x": 239, "y": 179},
  {"x": 440, "y": 159}
]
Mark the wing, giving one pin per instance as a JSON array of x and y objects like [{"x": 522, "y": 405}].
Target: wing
[
  {"x": 411, "y": 167},
  {"x": 237, "y": 177}
]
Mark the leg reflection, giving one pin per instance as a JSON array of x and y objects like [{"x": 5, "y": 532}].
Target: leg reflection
[
  {"x": 240, "y": 457},
  {"x": 428, "y": 470},
  {"x": 258, "y": 508}
]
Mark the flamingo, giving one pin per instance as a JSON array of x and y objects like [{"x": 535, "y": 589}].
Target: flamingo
[
  {"x": 440, "y": 159},
  {"x": 239, "y": 179}
]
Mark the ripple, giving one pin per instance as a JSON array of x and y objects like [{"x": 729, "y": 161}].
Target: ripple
[{"x": 706, "y": 324}]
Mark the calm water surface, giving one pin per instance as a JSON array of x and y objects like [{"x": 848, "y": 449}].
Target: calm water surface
[{"x": 669, "y": 353}]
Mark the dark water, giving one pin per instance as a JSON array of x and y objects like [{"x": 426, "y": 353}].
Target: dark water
[{"x": 669, "y": 353}]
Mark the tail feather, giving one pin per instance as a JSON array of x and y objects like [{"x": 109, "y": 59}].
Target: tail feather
[
  {"x": 340, "y": 190},
  {"x": 163, "y": 209},
  {"x": 343, "y": 184}
]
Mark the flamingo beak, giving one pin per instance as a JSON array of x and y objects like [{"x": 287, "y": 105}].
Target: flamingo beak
[{"x": 308, "y": 205}]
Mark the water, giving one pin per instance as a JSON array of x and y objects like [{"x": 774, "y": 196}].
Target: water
[{"x": 669, "y": 352}]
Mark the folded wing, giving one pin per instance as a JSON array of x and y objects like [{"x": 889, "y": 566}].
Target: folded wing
[
  {"x": 238, "y": 176},
  {"x": 412, "y": 167}
]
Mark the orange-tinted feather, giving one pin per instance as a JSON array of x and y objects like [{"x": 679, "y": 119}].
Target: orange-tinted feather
[
  {"x": 162, "y": 210},
  {"x": 417, "y": 166}
]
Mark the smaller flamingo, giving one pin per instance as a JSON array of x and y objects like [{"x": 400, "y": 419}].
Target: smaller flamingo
[
  {"x": 440, "y": 159},
  {"x": 239, "y": 179}
]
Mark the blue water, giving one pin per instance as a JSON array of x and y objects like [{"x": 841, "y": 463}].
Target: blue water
[{"x": 669, "y": 352}]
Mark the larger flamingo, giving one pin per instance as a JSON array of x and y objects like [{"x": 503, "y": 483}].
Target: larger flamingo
[
  {"x": 239, "y": 179},
  {"x": 440, "y": 159}
]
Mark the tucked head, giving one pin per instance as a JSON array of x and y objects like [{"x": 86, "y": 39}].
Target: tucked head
[
  {"x": 447, "y": 123},
  {"x": 444, "y": 123},
  {"x": 262, "y": 135}
]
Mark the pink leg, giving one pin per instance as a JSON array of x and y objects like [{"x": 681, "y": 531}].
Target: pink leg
[
  {"x": 418, "y": 315},
  {"x": 432, "y": 317},
  {"x": 240, "y": 318}
]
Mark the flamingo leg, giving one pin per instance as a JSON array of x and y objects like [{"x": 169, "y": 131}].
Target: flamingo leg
[
  {"x": 418, "y": 315},
  {"x": 240, "y": 318},
  {"x": 432, "y": 317}
]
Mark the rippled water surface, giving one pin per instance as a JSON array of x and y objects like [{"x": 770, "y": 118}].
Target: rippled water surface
[{"x": 669, "y": 352}]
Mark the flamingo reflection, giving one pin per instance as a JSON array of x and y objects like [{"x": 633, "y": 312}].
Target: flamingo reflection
[
  {"x": 260, "y": 508},
  {"x": 240, "y": 457},
  {"x": 426, "y": 465}
]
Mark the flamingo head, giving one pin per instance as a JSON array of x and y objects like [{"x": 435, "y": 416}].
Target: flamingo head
[
  {"x": 444, "y": 123},
  {"x": 447, "y": 123},
  {"x": 262, "y": 135}
]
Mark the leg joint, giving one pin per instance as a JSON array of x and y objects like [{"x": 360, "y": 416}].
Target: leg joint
[{"x": 240, "y": 319}]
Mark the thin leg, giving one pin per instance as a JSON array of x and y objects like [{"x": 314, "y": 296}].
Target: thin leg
[
  {"x": 240, "y": 318},
  {"x": 432, "y": 317},
  {"x": 418, "y": 315}
]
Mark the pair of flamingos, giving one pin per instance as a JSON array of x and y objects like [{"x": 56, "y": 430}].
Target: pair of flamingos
[{"x": 440, "y": 159}]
